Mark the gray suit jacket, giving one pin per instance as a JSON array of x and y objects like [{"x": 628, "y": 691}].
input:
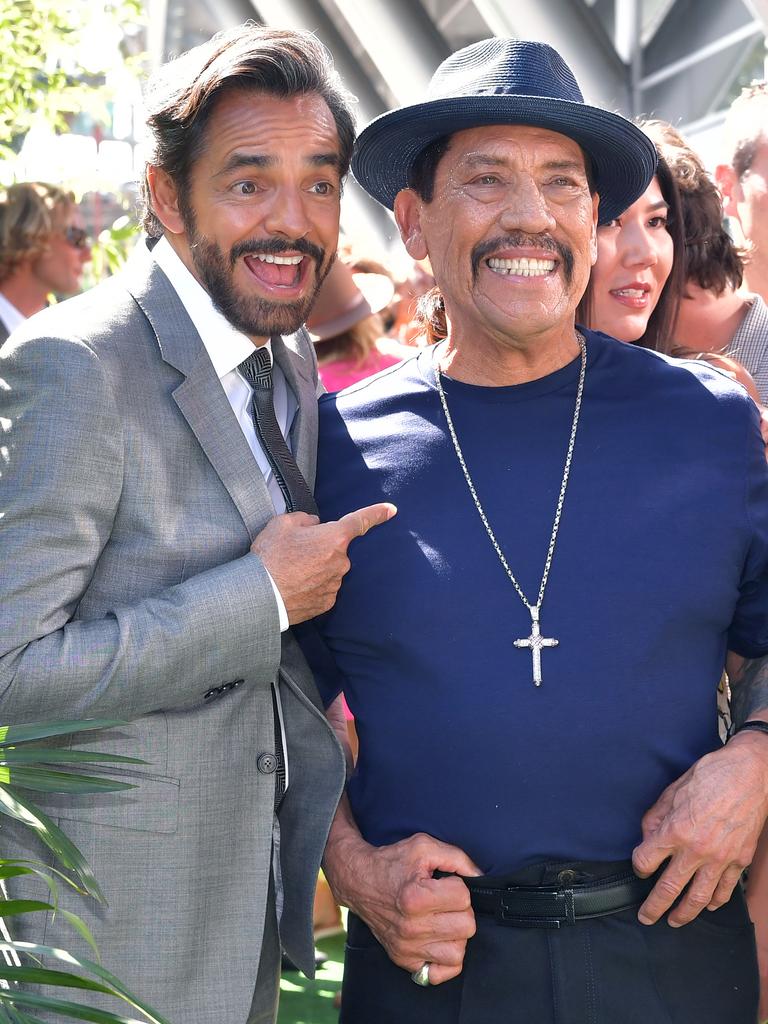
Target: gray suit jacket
[{"x": 130, "y": 498}]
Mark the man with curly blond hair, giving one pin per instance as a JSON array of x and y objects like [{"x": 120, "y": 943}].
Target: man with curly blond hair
[
  {"x": 742, "y": 176},
  {"x": 43, "y": 249}
]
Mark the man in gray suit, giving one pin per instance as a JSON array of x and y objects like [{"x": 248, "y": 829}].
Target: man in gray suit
[{"x": 146, "y": 573}]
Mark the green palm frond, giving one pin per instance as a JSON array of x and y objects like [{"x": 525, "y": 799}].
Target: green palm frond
[
  {"x": 25, "y": 764},
  {"x": 15, "y": 806},
  {"x": 13, "y": 734},
  {"x": 106, "y": 982}
]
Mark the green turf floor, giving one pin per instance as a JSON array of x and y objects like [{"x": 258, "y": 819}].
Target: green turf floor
[{"x": 311, "y": 1002}]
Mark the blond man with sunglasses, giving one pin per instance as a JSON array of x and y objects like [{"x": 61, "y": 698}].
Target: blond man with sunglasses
[{"x": 43, "y": 250}]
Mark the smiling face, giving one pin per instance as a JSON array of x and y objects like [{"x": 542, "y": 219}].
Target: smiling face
[
  {"x": 510, "y": 233},
  {"x": 634, "y": 260},
  {"x": 259, "y": 224}
]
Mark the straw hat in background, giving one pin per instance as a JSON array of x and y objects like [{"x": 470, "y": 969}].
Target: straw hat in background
[{"x": 345, "y": 298}]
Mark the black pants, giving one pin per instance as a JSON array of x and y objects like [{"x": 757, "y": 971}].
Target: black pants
[{"x": 608, "y": 970}]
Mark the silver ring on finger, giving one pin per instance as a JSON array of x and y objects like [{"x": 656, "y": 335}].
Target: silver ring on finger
[{"x": 421, "y": 977}]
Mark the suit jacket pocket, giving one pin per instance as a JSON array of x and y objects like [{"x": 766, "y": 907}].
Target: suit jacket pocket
[{"x": 153, "y": 806}]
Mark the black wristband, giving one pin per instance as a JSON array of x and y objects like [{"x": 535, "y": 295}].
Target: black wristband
[{"x": 755, "y": 724}]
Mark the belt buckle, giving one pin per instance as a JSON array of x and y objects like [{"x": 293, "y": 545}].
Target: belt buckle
[{"x": 537, "y": 907}]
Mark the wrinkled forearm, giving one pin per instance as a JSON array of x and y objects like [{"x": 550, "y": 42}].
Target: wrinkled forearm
[
  {"x": 345, "y": 854},
  {"x": 749, "y": 690}
]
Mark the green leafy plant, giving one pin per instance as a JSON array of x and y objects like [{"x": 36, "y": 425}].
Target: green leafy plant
[
  {"x": 47, "y": 73},
  {"x": 112, "y": 247},
  {"x": 27, "y": 764}
]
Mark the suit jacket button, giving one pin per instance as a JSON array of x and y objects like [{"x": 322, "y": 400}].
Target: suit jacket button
[{"x": 266, "y": 763}]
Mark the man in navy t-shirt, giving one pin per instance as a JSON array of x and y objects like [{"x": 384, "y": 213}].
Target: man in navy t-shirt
[{"x": 532, "y": 646}]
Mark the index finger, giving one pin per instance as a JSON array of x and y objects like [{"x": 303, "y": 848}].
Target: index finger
[{"x": 358, "y": 523}]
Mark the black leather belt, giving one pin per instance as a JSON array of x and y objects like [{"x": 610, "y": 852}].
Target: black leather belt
[{"x": 556, "y": 906}]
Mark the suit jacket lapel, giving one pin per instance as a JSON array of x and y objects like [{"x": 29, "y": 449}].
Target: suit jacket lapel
[
  {"x": 292, "y": 356},
  {"x": 200, "y": 396}
]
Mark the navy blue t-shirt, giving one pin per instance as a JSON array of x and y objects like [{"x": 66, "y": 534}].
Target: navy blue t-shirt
[{"x": 661, "y": 565}]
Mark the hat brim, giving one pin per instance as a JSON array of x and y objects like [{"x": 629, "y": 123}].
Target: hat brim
[
  {"x": 376, "y": 293},
  {"x": 623, "y": 158}
]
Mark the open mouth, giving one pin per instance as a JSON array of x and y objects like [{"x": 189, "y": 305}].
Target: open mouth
[
  {"x": 635, "y": 296},
  {"x": 277, "y": 271},
  {"x": 523, "y": 266},
  {"x": 630, "y": 293}
]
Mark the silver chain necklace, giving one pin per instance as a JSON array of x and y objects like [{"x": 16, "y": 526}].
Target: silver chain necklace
[{"x": 536, "y": 642}]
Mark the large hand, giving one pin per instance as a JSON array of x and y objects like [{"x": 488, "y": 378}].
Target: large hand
[
  {"x": 708, "y": 823},
  {"x": 414, "y": 916},
  {"x": 307, "y": 559}
]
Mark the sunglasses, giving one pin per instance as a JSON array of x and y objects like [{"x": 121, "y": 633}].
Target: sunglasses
[{"x": 77, "y": 237}]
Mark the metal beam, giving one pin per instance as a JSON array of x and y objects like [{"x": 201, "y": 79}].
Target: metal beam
[
  {"x": 575, "y": 32},
  {"x": 456, "y": 8},
  {"x": 400, "y": 39},
  {"x": 627, "y": 35},
  {"x": 699, "y": 46},
  {"x": 157, "y": 24},
  {"x": 308, "y": 16},
  {"x": 361, "y": 215},
  {"x": 749, "y": 31},
  {"x": 759, "y": 10}
]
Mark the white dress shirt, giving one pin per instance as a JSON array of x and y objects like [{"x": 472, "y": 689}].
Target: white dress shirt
[
  {"x": 10, "y": 316},
  {"x": 227, "y": 348}
]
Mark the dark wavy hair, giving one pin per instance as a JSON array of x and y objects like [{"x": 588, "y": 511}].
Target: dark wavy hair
[
  {"x": 659, "y": 331},
  {"x": 183, "y": 93},
  {"x": 712, "y": 259}
]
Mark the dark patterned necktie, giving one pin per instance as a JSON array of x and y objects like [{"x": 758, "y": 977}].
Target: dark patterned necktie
[{"x": 257, "y": 370}]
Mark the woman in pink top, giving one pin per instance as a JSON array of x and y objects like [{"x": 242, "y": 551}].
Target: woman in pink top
[{"x": 347, "y": 330}]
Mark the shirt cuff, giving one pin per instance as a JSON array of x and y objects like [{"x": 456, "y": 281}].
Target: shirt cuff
[{"x": 281, "y": 610}]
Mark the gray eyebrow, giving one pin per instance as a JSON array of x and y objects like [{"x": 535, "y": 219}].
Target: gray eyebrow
[
  {"x": 480, "y": 159},
  {"x": 487, "y": 160}
]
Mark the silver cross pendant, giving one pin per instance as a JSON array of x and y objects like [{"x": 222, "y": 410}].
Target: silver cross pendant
[{"x": 536, "y": 642}]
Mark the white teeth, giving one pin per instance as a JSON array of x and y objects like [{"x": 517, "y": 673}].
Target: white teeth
[
  {"x": 631, "y": 293},
  {"x": 287, "y": 261},
  {"x": 523, "y": 267}
]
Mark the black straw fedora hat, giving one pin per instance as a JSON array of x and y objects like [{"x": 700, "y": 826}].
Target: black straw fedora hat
[{"x": 506, "y": 81}]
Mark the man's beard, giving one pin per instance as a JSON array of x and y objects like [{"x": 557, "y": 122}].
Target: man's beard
[{"x": 252, "y": 315}]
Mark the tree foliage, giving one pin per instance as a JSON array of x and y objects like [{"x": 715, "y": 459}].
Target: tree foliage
[{"x": 48, "y": 70}]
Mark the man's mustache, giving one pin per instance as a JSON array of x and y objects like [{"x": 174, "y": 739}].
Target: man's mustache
[
  {"x": 520, "y": 240},
  {"x": 275, "y": 246}
]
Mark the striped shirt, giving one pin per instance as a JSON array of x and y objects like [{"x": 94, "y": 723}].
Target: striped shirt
[{"x": 750, "y": 345}]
